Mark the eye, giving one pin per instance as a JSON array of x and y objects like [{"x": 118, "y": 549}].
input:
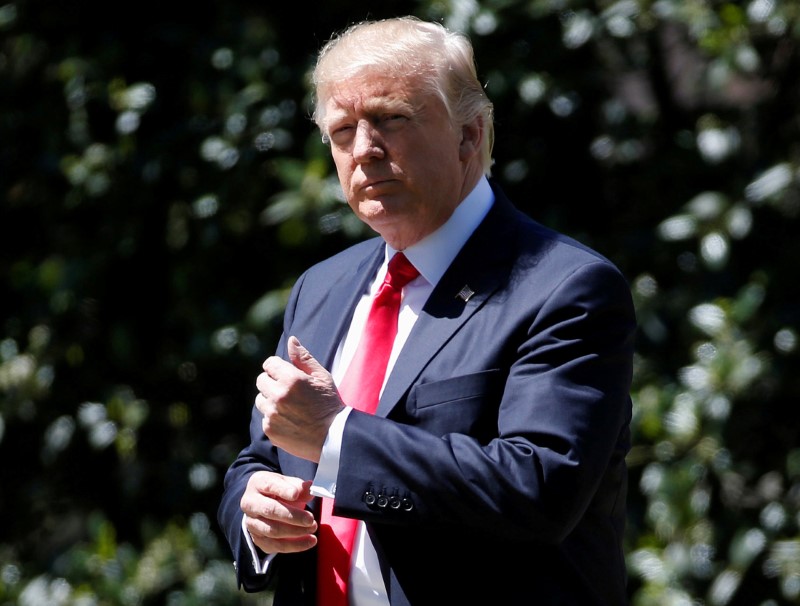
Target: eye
[
  {"x": 393, "y": 120},
  {"x": 340, "y": 128},
  {"x": 341, "y": 133}
]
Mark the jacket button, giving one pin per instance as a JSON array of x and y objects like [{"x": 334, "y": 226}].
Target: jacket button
[
  {"x": 383, "y": 501},
  {"x": 395, "y": 502},
  {"x": 407, "y": 504},
  {"x": 369, "y": 498}
]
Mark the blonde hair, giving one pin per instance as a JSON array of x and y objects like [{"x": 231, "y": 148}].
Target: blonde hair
[{"x": 403, "y": 46}]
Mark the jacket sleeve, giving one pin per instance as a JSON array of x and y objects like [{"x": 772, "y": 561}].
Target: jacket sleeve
[
  {"x": 254, "y": 457},
  {"x": 516, "y": 427}
]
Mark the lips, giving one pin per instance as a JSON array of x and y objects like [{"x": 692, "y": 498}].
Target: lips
[{"x": 375, "y": 184}]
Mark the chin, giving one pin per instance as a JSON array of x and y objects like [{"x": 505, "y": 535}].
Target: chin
[{"x": 372, "y": 210}]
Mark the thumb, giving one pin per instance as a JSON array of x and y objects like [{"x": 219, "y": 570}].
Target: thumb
[{"x": 302, "y": 358}]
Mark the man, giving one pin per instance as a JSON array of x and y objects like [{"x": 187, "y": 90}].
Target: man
[{"x": 493, "y": 468}]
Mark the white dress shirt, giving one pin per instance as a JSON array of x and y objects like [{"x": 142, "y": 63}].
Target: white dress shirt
[{"x": 431, "y": 256}]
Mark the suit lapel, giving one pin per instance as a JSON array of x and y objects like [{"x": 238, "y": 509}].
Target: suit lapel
[
  {"x": 343, "y": 296},
  {"x": 479, "y": 269}
]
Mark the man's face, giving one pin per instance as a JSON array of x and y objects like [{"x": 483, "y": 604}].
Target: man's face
[{"x": 398, "y": 157}]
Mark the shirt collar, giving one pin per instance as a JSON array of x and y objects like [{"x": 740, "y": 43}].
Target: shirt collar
[{"x": 434, "y": 253}]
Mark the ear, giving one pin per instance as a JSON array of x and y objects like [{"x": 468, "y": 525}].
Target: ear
[{"x": 471, "y": 139}]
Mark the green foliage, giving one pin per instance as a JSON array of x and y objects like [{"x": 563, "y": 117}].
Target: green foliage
[{"x": 162, "y": 186}]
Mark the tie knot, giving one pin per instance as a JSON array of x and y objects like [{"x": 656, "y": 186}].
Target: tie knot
[{"x": 400, "y": 271}]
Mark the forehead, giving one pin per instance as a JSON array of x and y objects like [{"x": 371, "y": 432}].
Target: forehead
[{"x": 369, "y": 91}]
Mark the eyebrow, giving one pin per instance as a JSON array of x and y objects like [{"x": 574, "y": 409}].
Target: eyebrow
[
  {"x": 381, "y": 104},
  {"x": 374, "y": 106}
]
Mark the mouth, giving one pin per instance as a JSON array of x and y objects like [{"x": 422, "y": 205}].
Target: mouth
[{"x": 375, "y": 186}]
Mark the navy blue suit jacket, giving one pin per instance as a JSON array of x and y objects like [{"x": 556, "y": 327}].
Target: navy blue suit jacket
[{"x": 494, "y": 469}]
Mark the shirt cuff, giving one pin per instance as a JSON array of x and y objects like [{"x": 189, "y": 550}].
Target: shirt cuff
[
  {"x": 260, "y": 563},
  {"x": 324, "y": 484}
]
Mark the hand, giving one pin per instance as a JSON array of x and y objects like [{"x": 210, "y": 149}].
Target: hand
[
  {"x": 276, "y": 515},
  {"x": 299, "y": 401}
]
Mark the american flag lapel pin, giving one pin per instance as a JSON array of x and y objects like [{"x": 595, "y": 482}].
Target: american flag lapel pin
[{"x": 465, "y": 293}]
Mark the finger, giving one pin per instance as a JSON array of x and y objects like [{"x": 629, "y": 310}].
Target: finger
[
  {"x": 272, "y": 511},
  {"x": 274, "y": 537},
  {"x": 278, "y": 529},
  {"x": 289, "y": 545},
  {"x": 277, "y": 378},
  {"x": 274, "y": 364},
  {"x": 263, "y": 382},
  {"x": 289, "y": 489},
  {"x": 263, "y": 404},
  {"x": 271, "y": 384},
  {"x": 302, "y": 358},
  {"x": 283, "y": 521}
]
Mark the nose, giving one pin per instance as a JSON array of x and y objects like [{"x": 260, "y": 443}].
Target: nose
[{"x": 367, "y": 144}]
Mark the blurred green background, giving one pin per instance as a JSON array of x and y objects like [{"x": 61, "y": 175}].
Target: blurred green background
[{"x": 162, "y": 186}]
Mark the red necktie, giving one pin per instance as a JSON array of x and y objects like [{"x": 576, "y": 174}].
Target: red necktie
[{"x": 360, "y": 388}]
